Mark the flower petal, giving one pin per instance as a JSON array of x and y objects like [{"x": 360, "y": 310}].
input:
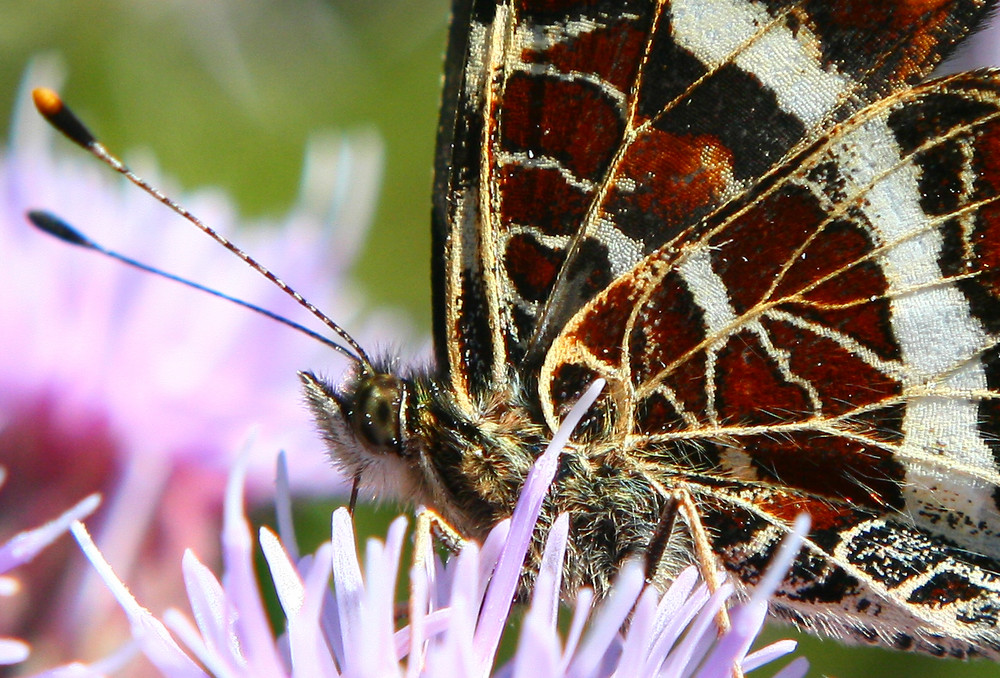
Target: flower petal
[
  {"x": 156, "y": 642},
  {"x": 26, "y": 545},
  {"x": 500, "y": 594}
]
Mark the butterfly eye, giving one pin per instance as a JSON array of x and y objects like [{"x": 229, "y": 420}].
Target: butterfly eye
[{"x": 377, "y": 415}]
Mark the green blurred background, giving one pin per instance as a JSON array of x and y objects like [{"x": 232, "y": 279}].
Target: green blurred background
[{"x": 226, "y": 93}]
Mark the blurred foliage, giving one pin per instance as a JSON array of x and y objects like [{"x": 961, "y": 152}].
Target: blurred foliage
[{"x": 228, "y": 92}]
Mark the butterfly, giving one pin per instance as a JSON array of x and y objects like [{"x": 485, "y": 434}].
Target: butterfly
[{"x": 777, "y": 244}]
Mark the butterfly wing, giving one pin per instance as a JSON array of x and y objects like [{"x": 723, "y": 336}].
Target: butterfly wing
[
  {"x": 579, "y": 137},
  {"x": 830, "y": 345},
  {"x": 780, "y": 257}
]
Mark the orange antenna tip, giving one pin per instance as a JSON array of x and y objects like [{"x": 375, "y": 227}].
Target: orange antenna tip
[
  {"x": 52, "y": 108},
  {"x": 47, "y": 101}
]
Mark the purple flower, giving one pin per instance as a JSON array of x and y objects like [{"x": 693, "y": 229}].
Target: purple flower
[
  {"x": 21, "y": 549},
  {"x": 115, "y": 381},
  {"x": 456, "y": 610}
]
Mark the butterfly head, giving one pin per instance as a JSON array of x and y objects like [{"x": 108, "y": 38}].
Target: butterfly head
[{"x": 364, "y": 423}]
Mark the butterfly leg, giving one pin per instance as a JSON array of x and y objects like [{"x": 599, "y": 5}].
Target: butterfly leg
[
  {"x": 661, "y": 537},
  {"x": 430, "y": 526},
  {"x": 681, "y": 502}
]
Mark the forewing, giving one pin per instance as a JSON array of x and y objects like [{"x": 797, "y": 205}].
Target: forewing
[
  {"x": 837, "y": 334},
  {"x": 579, "y": 137}
]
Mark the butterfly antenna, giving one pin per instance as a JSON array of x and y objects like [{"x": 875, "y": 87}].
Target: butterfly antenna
[
  {"x": 54, "y": 226},
  {"x": 58, "y": 114}
]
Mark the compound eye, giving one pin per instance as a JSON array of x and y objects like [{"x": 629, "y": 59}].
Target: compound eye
[{"x": 378, "y": 413}]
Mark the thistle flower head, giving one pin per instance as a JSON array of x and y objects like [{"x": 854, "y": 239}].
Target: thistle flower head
[{"x": 457, "y": 610}]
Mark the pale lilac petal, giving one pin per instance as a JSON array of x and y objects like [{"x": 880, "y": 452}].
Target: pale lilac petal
[
  {"x": 748, "y": 619},
  {"x": 746, "y": 622},
  {"x": 13, "y": 651},
  {"x": 194, "y": 641},
  {"x": 548, "y": 584},
  {"x": 156, "y": 642},
  {"x": 489, "y": 555},
  {"x": 410, "y": 639},
  {"x": 500, "y": 594},
  {"x": 434, "y": 623},
  {"x": 347, "y": 583},
  {"x": 640, "y": 630},
  {"x": 582, "y": 607},
  {"x": 240, "y": 580},
  {"x": 283, "y": 507},
  {"x": 288, "y": 584},
  {"x": 309, "y": 655},
  {"x": 688, "y": 652},
  {"x": 381, "y": 570},
  {"x": 539, "y": 651},
  {"x": 768, "y": 654},
  {"x": 454, "y": 651},
  {"x": 344, "y": 564},
  {"x": 330, "y": 625},
  {"x": 365, "y": 611},
  {"x": 316, "y": 658},
  {"x": 678, "y": 606},
  {"x": 26, "y": 545},
  {"x": 782, "y": 561},
  {"x": 797, "y": 668},
  {"x": 214, "y": 615},
  {"x": 608, "y": 619}
]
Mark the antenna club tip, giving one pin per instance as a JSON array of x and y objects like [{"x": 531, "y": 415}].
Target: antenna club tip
[
  {"x": 58, "y": 114},
  {"x": 47, "y": 101},
  {"x": 53, "y": 225}
]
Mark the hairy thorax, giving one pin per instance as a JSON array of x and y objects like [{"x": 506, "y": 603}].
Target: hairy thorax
[{"x": 469, "y": 465}]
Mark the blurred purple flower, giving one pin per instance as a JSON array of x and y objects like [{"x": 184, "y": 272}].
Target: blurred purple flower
[
  {"x": 122, "y": 383},
  {"x": 457, "y": 611},
  {"x": 22, "y": 548}
]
